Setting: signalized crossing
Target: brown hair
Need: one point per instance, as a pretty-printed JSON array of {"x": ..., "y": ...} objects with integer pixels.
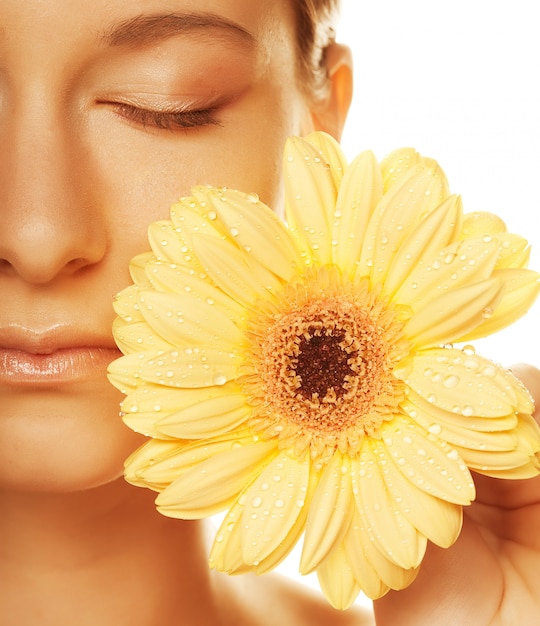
[{"x": 316, "y": 30}]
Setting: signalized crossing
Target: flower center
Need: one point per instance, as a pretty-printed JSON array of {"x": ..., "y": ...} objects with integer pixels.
[
  {"x": 322, "y": 365},
  {"x": 321, "y": 368}
]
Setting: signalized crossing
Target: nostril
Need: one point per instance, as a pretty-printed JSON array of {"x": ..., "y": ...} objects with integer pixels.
[{"x": 74, "y": 265}]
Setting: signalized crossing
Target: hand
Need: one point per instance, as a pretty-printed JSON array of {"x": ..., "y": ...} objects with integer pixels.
[{"x": 490, "y": 576}]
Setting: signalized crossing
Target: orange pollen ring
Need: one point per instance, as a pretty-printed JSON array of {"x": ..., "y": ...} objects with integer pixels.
[{"x": 324, "y": 366}]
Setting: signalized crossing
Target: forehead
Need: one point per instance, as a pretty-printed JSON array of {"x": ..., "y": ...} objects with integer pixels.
[
  {"x": 263, "y": 23},
  {"x": 256, "y": 17}
]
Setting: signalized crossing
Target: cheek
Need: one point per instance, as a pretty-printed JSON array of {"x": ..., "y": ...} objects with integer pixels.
[{"x": 139, "y": 173}]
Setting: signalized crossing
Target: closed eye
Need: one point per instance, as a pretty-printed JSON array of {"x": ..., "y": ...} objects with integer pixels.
[{"x": 167, "y": 119}]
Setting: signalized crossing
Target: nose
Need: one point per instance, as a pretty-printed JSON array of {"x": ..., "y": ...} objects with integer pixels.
[{"x": 49, "y": 224}]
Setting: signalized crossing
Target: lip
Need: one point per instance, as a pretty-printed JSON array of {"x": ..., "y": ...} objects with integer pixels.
[{"x": 58, "y": 355}]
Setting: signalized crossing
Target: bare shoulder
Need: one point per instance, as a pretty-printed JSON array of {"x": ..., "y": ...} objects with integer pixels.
[{"x": 281, "y": 600}]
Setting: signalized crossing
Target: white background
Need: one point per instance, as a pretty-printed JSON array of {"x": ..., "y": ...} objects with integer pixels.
[{"x": 459, "y": 81}]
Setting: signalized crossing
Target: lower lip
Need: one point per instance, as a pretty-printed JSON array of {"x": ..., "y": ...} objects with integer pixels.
[{"x": 18, "y": 367}]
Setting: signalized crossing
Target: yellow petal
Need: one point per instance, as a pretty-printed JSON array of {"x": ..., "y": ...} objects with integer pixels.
[
  {"x": 184, "y": 321},
  {"x": 137, "y": 267},
  {"x": 454, "y": 313},
  {"x": 434, "y": 233},
  {"x": 399, "y": 164},
  {"x": 521, "y": 288},
  {"x": 126, "y": 305},
  {"x": 139, "y": 336},
  {"x": 137, "y": 463},
  {"x": 337, "y": 580},
  {"x": 207, "y": 418},
  {"x": 170, "y": 277},
  {"x": 435, "y": 419},
  {"x": 310, "y": 199},
  {"x": 330, "y": 512},
  {"x": 276, "y": 499},
  {"x": 256, "y": 229},
  {"x": 522, "y": 457},
  {"x": 528, "y": 470},
  {"x": 397, "y": 214},
  {"x": 125, "y": 373},
  {"x": 192, "y": 215},
  {"x": 362, "y": 567},
  {"x": 462, "y": 383},
  {"x": 436, "y": 519},
  {"x": 209, "y": 487},
  {"x": 226, "y": 553},
  {"x": 375, "y": 572},
  {"x": 227, "y": 267},
  {"x": 168, "y": 246},
  {"x": 358, "y": 195},
  {"x": 332, "y": 153},
  {"x": 393, "y": 535},
  {"x": 482, "y": 223},
  {"x": 514, "y": 251},
  {"x": 429, "y": 463},
  {"x": 458, "y": 265},
  {"x": 171, "y": 463},
  {"x": 193, "y": 367}
]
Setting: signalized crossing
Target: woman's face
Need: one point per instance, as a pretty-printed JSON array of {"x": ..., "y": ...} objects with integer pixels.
[{"x": 109, "y": 111}]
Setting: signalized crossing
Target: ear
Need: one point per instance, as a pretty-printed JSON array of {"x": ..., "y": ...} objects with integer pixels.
[{"x": 329, "y": 114}]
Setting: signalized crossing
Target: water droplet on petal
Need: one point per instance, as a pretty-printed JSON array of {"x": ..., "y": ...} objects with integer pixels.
[{"x": 450, "y": 382}]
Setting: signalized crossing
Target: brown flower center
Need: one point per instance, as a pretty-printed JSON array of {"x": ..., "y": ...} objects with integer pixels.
[{"x": 322, "y": 365}]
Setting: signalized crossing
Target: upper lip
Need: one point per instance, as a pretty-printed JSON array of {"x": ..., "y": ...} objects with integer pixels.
[{"x": 51, "y": 338}]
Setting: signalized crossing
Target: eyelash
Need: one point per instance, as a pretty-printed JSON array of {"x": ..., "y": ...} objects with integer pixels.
[{"x": 168, "y": 120}]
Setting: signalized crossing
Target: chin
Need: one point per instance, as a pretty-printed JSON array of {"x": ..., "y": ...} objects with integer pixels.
[{"x": 63, "y": 440}]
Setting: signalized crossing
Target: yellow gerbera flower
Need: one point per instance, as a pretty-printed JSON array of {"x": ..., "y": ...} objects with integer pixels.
[{"x": 302, "y": 375}]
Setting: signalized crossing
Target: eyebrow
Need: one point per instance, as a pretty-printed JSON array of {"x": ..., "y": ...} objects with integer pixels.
[{"x": 144, "y": 30}]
